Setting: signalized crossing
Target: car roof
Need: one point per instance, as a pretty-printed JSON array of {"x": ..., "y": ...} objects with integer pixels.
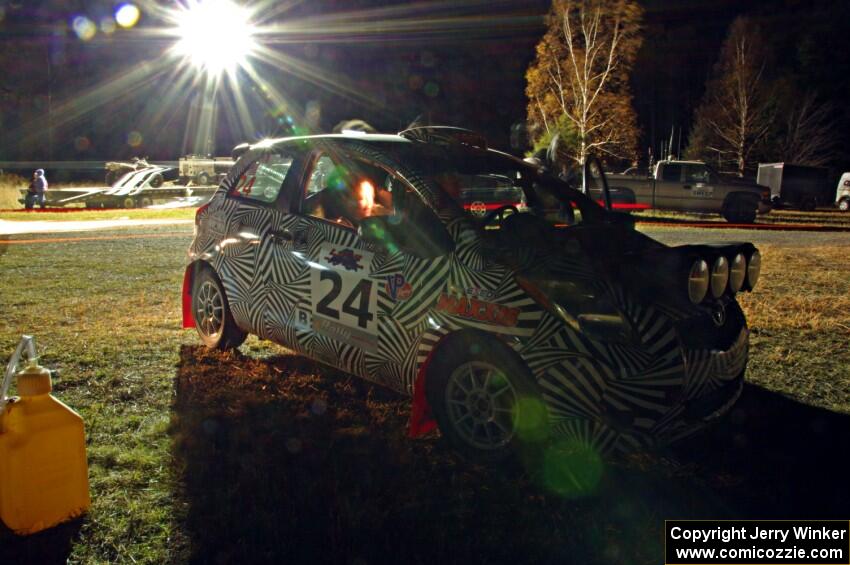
[
  {"x": 367, "y": 137},
  {"x": 376, "y": 138}
]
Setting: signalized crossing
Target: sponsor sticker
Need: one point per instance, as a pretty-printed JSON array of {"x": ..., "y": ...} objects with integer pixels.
[
  {"x": 398, "y": 288},
  {"x": 478, "y": 310},
  {"x": 483, "y": 293},
  {"x": 478, "y": 208},
  {"x": 346, "y": 257}
]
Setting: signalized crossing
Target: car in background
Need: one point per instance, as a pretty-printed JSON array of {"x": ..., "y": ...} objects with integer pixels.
[
  {"x": 551, "y": 319},
  {"x": 117, "y": 169},
  {"x": 137, "y": 189}
]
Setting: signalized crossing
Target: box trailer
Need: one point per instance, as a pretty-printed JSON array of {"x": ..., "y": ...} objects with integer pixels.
[{"x": 795, "y": 186}]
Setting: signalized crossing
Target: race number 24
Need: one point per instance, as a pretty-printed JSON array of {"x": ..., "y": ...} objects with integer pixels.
[{"x": 356, "y": 303}]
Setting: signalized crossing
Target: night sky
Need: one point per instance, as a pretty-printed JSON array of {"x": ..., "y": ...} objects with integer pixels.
[{"x": 457, "y": 63}]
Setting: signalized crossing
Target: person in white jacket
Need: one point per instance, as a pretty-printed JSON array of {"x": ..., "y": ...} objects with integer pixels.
[{"x": 36, "y": 190}]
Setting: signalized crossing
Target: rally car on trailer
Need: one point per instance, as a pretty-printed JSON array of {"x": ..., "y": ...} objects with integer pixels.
[{"x": 359, "y": 251}]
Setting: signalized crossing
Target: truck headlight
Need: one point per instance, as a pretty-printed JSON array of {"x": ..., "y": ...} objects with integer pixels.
[
  {"x": 698, "y": 281},
  {"x": 737, "y": 272},
  {"x": 753, "y": 269},
  {"x": 719, "y": 276}
]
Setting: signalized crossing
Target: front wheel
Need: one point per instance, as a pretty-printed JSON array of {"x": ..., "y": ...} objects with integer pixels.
[
  {"x": 211, "y": 312},
  {"x": 844, "y": 204},
  {"x": 484, "y": 399}
]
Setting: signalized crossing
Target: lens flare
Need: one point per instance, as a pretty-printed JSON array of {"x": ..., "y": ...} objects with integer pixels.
[
  {"x": 215, "y": 35},
  {"x": 127, "y": 15},
  {"x": 84, "y": 28}
]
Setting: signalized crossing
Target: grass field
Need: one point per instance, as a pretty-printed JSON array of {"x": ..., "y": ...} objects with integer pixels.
[
  {"x": 824, "y": 216},
  {"x": 73, "y": 215},
  {"x": 265, "y": 456},
  {"x": 10, "y": 185}
]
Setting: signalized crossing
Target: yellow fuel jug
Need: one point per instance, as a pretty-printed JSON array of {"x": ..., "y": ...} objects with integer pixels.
[{"x": 43, "y": 469}]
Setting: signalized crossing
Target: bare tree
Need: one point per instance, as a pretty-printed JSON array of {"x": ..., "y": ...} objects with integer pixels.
[
  {"x": 578, "y": 84},
  {"x": 808, "y": 136},
  {"x": 737, "y": 112}
]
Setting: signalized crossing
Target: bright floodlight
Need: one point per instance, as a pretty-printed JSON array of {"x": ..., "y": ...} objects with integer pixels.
[{"x": 215, "y": 35}]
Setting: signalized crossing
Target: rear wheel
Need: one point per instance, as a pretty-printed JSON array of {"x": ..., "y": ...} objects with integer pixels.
[
  {"x": 484, "y": 398},
  {"x": 844, "y": 204},
  {"x": 129, "y": 202},
  {"x": 211, "y": 312},
  {"x": 202, "y": 178},
  {"x": 157, "y": 180},
  {"x": 145, "y": 201}
]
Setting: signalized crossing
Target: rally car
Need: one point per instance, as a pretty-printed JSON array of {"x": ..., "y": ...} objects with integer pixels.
[{"x": 550, "y": 318}]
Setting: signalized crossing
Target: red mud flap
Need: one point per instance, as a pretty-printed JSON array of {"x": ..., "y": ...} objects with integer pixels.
[
  {"x": 188, "y": 318},
  {"x": 421, "y": 418}
]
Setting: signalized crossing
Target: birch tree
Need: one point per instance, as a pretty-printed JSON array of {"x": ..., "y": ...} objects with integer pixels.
[
  {"x": 578, "y": 84},
  {"x": 807, "y": 135},
  {"x": 737, "y": 111}
]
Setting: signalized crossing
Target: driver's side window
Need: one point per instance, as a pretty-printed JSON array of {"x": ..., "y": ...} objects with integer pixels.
[{"x": 346, "y": 193}]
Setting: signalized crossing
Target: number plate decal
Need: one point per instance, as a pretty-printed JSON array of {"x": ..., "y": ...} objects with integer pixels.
[{"x": 344, "y": 301}]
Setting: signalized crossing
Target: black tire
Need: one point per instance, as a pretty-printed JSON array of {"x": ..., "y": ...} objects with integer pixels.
[
  {"x": 211, "y": 313},
  {"x": 145, "y": 201},
  {"x": 202, "y": 178},
  {"x": 484, "y": 398},
  {"x": 740, "y": 211},
  {"x": 128, "y": 202},
  {"x": 844, "y": 204},
  {"x": 111, "y": 178},
  {"x": 157, "y": 180}
]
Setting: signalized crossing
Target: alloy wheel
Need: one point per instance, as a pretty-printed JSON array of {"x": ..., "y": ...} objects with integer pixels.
[
  {"x": 482, "y": 405},
  {"x": 209, "y": 309}
]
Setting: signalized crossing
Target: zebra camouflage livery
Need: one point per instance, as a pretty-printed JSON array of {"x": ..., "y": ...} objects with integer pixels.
[{"x": 382, "y": 313}]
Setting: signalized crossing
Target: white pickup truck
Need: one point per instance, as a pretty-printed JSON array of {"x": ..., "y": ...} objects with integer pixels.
[{"x": 692, "y": 186}]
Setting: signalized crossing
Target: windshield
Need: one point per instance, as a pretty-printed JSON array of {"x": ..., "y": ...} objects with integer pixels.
[{"x": 489, "y": 186}]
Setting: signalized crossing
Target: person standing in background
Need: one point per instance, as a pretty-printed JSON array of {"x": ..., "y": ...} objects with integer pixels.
[{"x": 36, "y": 190}]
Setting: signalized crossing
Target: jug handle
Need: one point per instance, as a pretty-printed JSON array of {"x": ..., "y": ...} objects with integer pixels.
[{"x": 27, "y": 344}]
